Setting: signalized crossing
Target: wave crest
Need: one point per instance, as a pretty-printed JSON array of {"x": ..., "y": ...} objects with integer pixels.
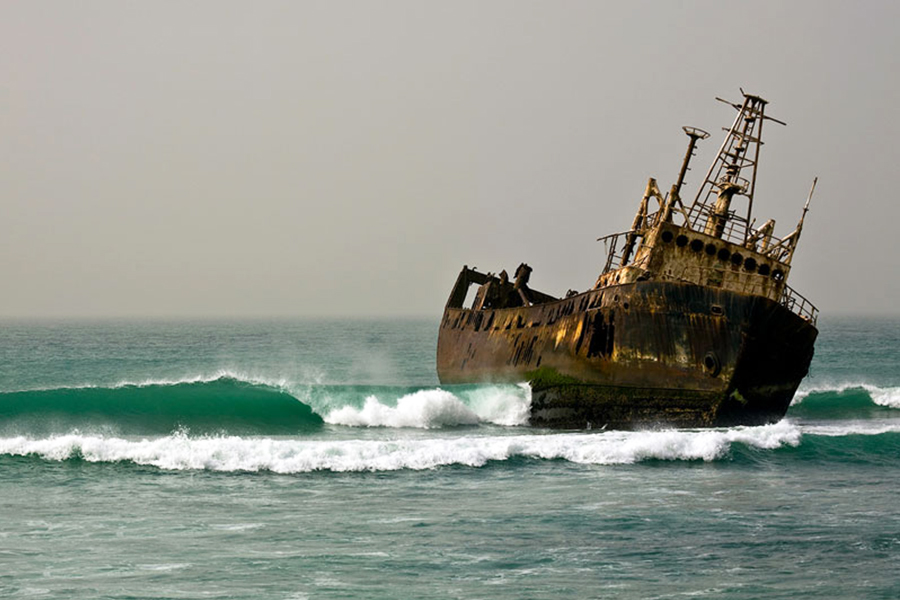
[
  {"x": 203, "y": 405},
  {"x": 845, "y": 401},
  {"x": 883, "y": 396},
  {"x": 230, "y": 453},
  {"x": 429, "y": 409},
  {"x": 229, "y": 402},
  {"x": 424, "y": 409}
]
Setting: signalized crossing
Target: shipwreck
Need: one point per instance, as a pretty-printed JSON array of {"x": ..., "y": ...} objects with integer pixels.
[{"x": 691, "y": 322}]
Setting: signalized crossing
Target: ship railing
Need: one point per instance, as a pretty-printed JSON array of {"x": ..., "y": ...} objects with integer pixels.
[
  {"x": 736, "y": 231},
  {"x": 652, "y": 220},
  {"x": 616, "y": 244},
  {"x": 797, "y": 303},
  {"x": 615, "y": 249},
  {"x": 749, "y": 283}
]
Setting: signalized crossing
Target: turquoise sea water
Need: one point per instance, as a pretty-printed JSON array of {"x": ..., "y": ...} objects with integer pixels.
[{"x": 321, "y": 459}]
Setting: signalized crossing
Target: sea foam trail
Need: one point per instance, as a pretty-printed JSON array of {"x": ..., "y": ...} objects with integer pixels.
[
  {"x": 181, "y": 452},
  {"x": 429, "y": 409}
]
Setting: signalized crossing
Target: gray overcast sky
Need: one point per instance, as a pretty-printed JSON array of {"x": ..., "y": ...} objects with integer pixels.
[{"x": 344, "y": 158}]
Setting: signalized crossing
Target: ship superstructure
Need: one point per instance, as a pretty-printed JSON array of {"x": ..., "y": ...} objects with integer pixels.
[
  {"x": 690, "y": 322},
  {"x": 715, "y": 241}
]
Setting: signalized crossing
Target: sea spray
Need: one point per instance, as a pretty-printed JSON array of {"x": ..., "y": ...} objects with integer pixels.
[
  {"x": 429, "y": 409},
  {"x": 182, "y": 451},
  {"x": 501, "y": 405},
  {"x": 423, "y": 409}
]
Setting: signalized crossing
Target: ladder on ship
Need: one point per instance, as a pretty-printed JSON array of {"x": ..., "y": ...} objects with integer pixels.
[{"x": 732, "y": 173}]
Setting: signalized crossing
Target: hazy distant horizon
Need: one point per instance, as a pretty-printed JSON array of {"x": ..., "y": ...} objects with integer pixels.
[{"x": 299, "y": 160}]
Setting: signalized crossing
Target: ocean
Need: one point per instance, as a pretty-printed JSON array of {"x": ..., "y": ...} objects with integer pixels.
[{"x": 322, "y": 459}]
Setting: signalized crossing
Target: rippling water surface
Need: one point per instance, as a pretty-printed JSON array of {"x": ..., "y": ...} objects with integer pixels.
[{"x": 322, "y": 459}]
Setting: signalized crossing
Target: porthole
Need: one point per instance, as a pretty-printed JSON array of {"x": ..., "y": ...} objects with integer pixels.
[
  {"x": 668, "y": 236},
  {"x": 696, "y": 245},
  {"x": 681, "y": 241},
  {"x": 764, "y": 269},
  {"x": 777, "y": 274},
  {"x": 724, "y": 254},
  {"x": 710, "y": 249},
  {"x": 736, "y": 259},
  {"x": 750, "y": 264},
  {"x": 711, "y": 364}
]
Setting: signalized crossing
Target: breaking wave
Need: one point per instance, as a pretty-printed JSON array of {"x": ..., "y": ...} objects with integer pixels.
[
  {"x": 428, "y": 409},
  {"x": 179, "y": 451},
  {"x": 232, "y": 453},
  {"x": 200, "y": 404},
  {"x": 231, "y": 403},
  {"x": 846, "y": 400}
]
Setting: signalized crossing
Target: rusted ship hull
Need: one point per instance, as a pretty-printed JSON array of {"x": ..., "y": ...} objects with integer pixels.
[
  {"x": 642, "y": 354},
  {"x": 691, "y": 322}
]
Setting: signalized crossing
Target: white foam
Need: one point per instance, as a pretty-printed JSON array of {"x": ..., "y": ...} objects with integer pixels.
[
  {"x": 844, "y": 428},
  {"x": 164, "y": 567},
  {"x": 423, "y": 409},
  {"x": 508, "y": 405},
  {"x": 889, "y": 397},
  {"x": 883, "y": 396},
  {"x": 825, "y": 388},
  {"x": 181, "y": 452},
  {"x": 429, "y": 409}
]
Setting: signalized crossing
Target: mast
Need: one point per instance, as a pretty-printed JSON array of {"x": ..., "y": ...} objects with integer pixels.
[
  {"x": 795, "y": 236},
  {"x": 732, "y": 174},
  {"x": 675, "y": 194}
]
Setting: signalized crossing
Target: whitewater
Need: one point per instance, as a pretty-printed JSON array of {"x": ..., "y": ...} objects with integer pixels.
[{"x": 308, "y": 459}]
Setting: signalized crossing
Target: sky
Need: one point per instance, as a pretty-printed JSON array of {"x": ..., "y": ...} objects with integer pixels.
[{"x": 277, "y": 159}]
